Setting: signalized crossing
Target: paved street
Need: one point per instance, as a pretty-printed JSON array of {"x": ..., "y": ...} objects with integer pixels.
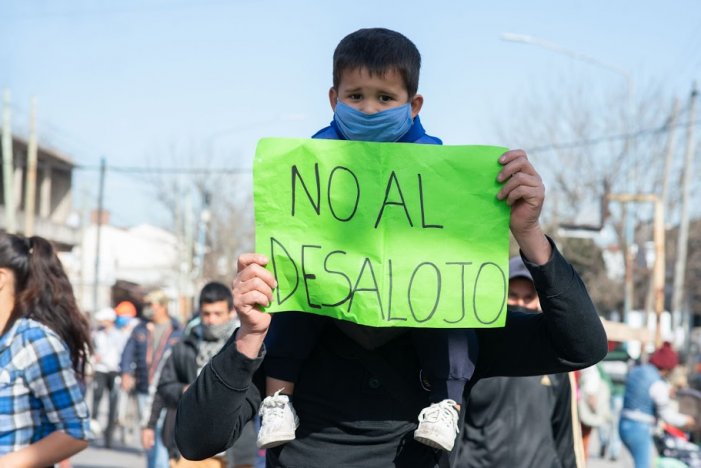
[
  {"x": 130, "y": 457},
  {"x": 625, "y": 461},
  {"x": 120, "y": 457}
]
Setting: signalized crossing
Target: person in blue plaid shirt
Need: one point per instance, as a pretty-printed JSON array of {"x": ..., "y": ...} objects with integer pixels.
[{"x": 44, "y": 343}]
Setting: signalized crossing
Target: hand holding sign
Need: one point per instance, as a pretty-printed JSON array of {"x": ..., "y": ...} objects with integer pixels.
[
  {"x": 252, "y": 288},
  {"x": 524, "y": 192}
]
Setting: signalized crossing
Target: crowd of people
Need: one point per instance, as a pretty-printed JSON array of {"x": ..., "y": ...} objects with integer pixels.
[
  {"x": 150, "y": 361},
  {"x": 315, "y": 391}
]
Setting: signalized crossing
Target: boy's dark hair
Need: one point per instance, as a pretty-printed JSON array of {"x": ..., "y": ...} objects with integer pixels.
[
  {"x": 378, "y": 50},
  {"x": 215, "y": 292}
]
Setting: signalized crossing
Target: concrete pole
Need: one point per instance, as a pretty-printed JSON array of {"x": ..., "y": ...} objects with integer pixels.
[
  {"x": 669, "y": 156},
  {"x": 669, "y": 152},
  {"x": 659, "y": 239},
  {"x": 8, "y": 166},
  {"x": 31, "y": 188},
  {"x": 98, "y": 228},
  {"x": 682, "y": 247},
  {"x": 658, "y": 276}
]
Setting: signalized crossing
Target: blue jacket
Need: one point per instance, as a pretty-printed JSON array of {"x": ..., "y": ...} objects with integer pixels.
[
  {"x": 416, "y": 134},
  {"x": 637, "y": 395},
  {"x": 135, "y": 359}
]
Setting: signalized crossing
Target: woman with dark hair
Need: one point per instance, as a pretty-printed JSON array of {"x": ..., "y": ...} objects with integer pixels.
[{"x": 44, "y": 344}]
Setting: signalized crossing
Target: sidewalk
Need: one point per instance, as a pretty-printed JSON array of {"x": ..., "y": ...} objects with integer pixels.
[{"x": 121, "y": 457}]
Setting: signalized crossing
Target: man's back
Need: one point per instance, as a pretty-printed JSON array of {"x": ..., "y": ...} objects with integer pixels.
[{"x": 518, "y": 421}]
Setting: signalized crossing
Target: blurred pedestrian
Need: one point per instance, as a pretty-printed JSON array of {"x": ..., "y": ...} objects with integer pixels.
[
  {"x": 217, "y": 321},
  {"x": 126, "y": 319},
  {"x": 44, "y": 347},
  {"x": 593, "y": 403},
  {"x": 615, "y": 366},
  {"x": 648, "y": 397},
  {"x": 501, "y": 410},
  {"x": 149, "y": 342},
  {"x": 109, "y": 343}
]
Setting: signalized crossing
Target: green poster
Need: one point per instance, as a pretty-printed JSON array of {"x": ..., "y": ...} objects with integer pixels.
[{"x": 384, "y": 234}]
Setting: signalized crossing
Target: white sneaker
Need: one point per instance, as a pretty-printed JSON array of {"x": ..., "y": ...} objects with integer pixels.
[
  {"x": 438, "y": 425},
  {"x": 278, "y": 421}
]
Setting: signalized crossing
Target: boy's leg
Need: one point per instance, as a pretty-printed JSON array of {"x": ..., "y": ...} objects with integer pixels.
[
  {"x": 448, "y": 358},
  {"x": 290, "y": 340}
]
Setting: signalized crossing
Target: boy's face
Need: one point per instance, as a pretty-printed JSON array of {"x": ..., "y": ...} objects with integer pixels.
[{"x": 373, "y": 93}]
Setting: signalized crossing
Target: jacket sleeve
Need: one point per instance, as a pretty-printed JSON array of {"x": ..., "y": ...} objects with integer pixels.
[
  {"x": 157, "y": 406},
  {"x": 169, "y": 386},
  {"x": 126, "y": 364},
  {"x": 216, "y": 407},
  {"x": 567, "y": 336},
  {"x": 562, "y": 421}
]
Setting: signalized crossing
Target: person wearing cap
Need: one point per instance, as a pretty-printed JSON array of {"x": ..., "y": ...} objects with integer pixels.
[
  {"x": 109, "y": 343},
  {"x": 126, "y": 317},
  {"x": 648, "y": 397},
  {"x": 502, "y": 409},
  {"x": 150, "y": 341}
]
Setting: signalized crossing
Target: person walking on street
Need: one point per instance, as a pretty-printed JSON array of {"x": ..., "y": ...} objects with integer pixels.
[
  {"x": 44, "y": 347},
  {"x": 502, "y": 410},
  {"x": 109, "y": 343},
  {"x": 216, "y": 323},
  {"x": 149, "y": 342},
  {"x": 648, "y": 396}
]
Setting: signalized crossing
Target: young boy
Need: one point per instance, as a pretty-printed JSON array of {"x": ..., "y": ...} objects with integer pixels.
[{"x": 374, "y": 98}]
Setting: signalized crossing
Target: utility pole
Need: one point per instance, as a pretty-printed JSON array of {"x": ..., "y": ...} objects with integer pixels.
[
  {"x": 680, "y": 263},
  {"x": 659, "y": 240},
  {"x": 8, "y": 166},
  {"x": 98, "y": 228},
  {"x": 31, "y": 189},
  {"x": 669, "y": 156}
]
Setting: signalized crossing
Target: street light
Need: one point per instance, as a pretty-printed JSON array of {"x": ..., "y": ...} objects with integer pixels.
[{"x": 528, "y": 39}]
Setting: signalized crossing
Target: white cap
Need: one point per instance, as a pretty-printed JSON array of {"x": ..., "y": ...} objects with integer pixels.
[{"x": 107, "y": 313}]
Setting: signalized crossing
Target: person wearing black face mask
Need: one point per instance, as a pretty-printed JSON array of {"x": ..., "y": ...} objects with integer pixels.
[
  {"x": 207, "y": 334},
  {"x": 502, "y": 410}
]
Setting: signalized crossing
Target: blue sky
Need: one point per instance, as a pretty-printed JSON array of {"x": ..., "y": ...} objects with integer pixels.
[{"x": 128, "y": 80}]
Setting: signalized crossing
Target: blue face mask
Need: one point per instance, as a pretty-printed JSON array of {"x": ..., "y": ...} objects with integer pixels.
[
  {"x": 121, "y": 321},
  {"x": 387, "y": 125}
]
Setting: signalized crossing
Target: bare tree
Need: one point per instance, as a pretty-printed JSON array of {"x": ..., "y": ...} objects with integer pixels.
[
  {"x": 586, "y": 145},
  {"x": 210, "y": 211}
]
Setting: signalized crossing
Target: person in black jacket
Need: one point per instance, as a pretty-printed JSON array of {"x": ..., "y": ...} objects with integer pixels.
[
  {"x": 520, "y": 421},
  {"x": 214, "y": 325},
  {"x": 357, "y": 404}
]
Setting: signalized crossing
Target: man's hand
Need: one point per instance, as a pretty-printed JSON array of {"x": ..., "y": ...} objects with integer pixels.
[
  {"x": 252, "y": 288},
  {"x": 524, "y": 191},
  {"x": 128, "y": 382},
  {"x": 690, "y": 423},
  {"x": 148, "y": 438}
]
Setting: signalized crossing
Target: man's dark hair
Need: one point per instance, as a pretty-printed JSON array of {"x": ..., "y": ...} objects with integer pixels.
[
  {"x": 378, "y": 50},
  {"x": 215, "y": 292}
]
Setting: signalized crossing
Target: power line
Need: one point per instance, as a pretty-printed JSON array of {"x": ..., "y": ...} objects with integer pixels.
[
  {"x": 168, "y": 170},
  {"x": 609, "y": 138},
  {"x": 248, "y": 170}
]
